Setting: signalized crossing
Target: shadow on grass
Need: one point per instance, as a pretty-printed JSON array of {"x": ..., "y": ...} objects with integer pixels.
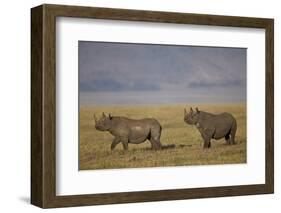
[{"x": 164, "y": 147}]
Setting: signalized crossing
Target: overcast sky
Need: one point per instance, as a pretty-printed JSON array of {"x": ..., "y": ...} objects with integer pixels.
[{"x": 202, "y": 74}]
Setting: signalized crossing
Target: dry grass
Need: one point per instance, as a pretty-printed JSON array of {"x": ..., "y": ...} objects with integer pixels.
[{"x": 95, "y": 146}]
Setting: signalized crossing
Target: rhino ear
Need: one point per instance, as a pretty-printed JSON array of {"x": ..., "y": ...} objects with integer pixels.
[
  {"x": 110, "y": 116},
  {"x": 197, "y": 110}
]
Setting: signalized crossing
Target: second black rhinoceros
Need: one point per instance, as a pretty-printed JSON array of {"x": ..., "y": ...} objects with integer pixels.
[
  {"x": 127, "y": 130},
  {"x": 212, "y": 126}
]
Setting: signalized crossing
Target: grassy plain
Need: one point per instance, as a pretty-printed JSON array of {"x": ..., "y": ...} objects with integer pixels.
[{"x": 94, "y": 146}]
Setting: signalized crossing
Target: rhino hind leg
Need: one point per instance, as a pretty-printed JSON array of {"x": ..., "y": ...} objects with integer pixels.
[
  {"x": 154, "y": 138},
  {"x": 233, "y": 132},
  {"x": 155, "y": 144},
  {"x": 227, "y": 139},
  {"x": 232, "y": 138}
]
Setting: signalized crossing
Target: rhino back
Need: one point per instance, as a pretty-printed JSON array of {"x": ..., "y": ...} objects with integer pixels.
[
  {"x": 221, "y": 123},
  {"x": 132, "y": 128}
]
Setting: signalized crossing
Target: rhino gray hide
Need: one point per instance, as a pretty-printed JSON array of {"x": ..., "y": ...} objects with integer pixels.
[
  {"x": 127, "y": 130},
  {"x": 212, "y": 126}
]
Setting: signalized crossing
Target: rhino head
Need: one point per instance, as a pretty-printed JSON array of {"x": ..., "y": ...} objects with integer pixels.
[
  {"x": 192, "y": 116},
  {"x": 104, "y": 123}
]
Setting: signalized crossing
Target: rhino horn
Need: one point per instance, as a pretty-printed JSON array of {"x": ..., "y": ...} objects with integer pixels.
[
  {"x": 185, "y": 111},
  {"x": 197, "y": 110},
  {"x": 95, "y": 118},
  {"x": 110, "y": 116},
  {"x": 191, "y": 110},
  {"x": 103, "y": 115}
]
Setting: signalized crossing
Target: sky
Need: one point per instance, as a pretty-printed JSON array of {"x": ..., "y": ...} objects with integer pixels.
[{"x": 124, "y": 73}]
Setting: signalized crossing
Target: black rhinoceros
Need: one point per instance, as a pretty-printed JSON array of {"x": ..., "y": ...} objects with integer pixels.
[
  {"x": 212, "y": 126},
  {"x": 127, "y": 130}
]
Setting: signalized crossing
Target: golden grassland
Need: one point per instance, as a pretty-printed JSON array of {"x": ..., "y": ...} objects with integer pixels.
[{"x": 94, "y": 147}]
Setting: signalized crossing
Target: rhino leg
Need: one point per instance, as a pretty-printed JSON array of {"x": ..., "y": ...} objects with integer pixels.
[
  {"x": 125, "y": 143},
  {"x": 155, "y": 134},
  {"x": 207, "y": 143},
  {"x": 233, "y": 132},
  {"x": 115, "y": 142},
  {"x": 155, "y": 143},
  {"x": 207, "y": 135},
  {"x": 232, "y": 138},
  {"x": 227, "y": 139}
]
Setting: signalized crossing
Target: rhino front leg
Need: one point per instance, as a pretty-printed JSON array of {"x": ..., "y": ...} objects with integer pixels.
[
  {"x": 125, "y": 143},
  {"x": 207, "y": 143},
  {"x": 115, "y": 142},
  {"x": 207, "y": 135}
]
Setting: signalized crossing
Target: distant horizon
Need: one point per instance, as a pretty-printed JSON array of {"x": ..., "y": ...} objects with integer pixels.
[
  {"x": 92, "y": 99},
  {"x": 151, "y": 74}
]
